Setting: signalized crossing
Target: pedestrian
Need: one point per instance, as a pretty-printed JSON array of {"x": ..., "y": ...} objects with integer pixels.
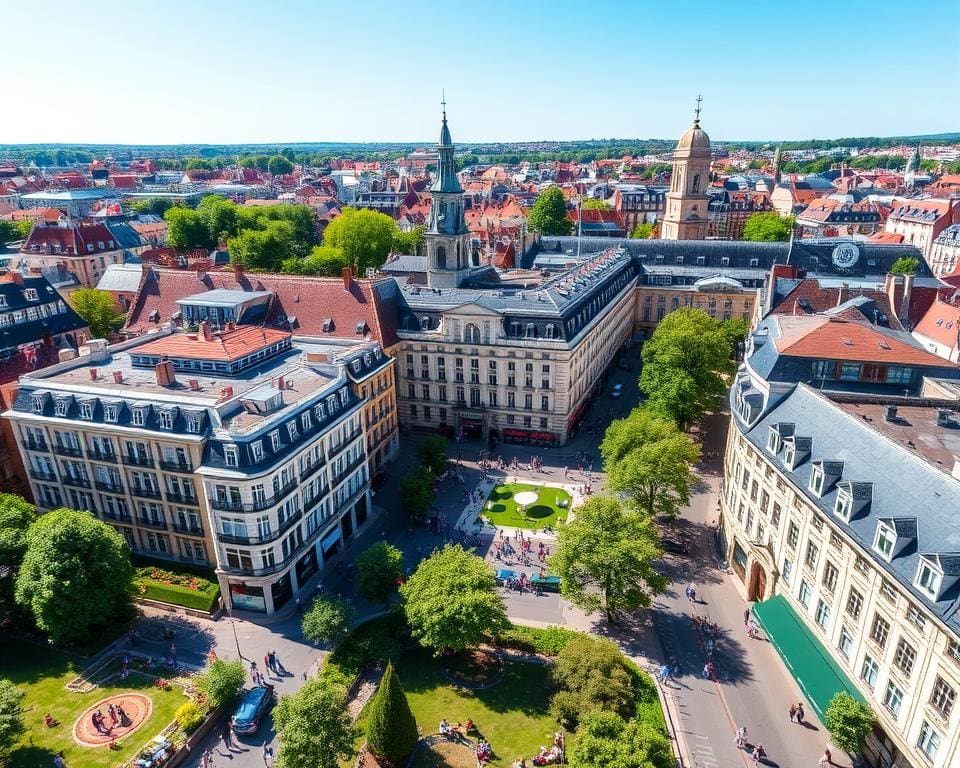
[
  {"x": 741, "y": 738},
  {"x": 826, "y": 759},
  {"x": 758, "y": 753},
  {"x": 173, "y": 652},
  {"x": 664, "y": 674},
  {"x": 225, "y": 733},
  {"x": 299, "y": 605},
  {"x": 267, "y": 755},
  {"x": 58, "y": 761},
  {"x": 800, "y": 712},
  {"x": 792, "y": 712},
  {"x": 746, "y": 617},
  {"x": 276, "y": 663}
]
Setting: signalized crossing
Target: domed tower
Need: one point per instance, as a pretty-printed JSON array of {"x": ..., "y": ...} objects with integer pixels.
[
  {"x": 446, "y": 238},
  {"x": 687, "y": 201}
]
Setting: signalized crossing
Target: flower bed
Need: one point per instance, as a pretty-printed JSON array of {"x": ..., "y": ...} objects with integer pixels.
[{"x": 184, "y": 589}]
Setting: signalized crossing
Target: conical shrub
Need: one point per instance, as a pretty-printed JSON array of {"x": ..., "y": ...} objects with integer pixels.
[{"x": 391, "y": 726}]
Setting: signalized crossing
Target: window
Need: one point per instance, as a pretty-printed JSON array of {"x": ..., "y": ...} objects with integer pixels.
[
  {"x": 805, "y": 593},
  {"x": 880, "y": 630},
  {"x": 793, "y": 535},
  {"x": 830, "y": 575},
  {"x": 888, "y": 593},
  {"x": 773, "y": 441},
  {"x": 822, "y": 615},
  {"x": 854, "y": 603},
  {"x": 953, "y": 651},
  {"x": 810, "y": 558},
  {"x": 869, "y": 671},
  {"x": 166, "y": 419},
  {"x": 138, "y": 416},
  {"x": 775, "y": 516},
  {"x": 905, "y": 656},
  {"x": 292, "y": 431},
  {"x": 86, "y": 411},
  {"x": 929, "y": 740},
  {"x": 231, "y": 456},
  {"x": 256, "y": 448},
  {"x": 844, "y": 504},
  {"x": 943, "y": 697},
  {"x": 915, "y": 617},
  {"x": 893, "y": 698},
  {"x": 885, "y": 540},
  {"x": 928, "y": 579},
  {"x": 897, "y": 374},
  {"x": 305, "y": 420},
  {"x": 845, "y": 646},
  {"x": 61, "y": 406},
  {"x": 816, "y": 480},
  {"x": 850, "y": 372},
  {"x": 275, "y": 440}
]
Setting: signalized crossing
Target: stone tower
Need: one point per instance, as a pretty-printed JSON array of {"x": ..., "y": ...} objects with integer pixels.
[
  {"x": 912, "y": 170},
  {"x": 777, "y": 162},
  {"x": 447, "y": 239},
  {"x": 687, "y": 201}
]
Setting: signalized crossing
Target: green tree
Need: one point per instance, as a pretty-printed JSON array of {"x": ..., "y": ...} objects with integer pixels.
[
  {"x": 323, "y": 261},
  {"x": 768, "y": 227},
  {"x": 591, "y": 674},
  {"x": 605, "y": 558},
  {"x": 548, "y": 216},
  {"x": 11, "y": 718},
  {"x": 416, "y": 492},
  {"x": 314, "y": 727},
  {"x": 186, "y": 229},
  {"x": 23, "y": 229},
  {"x": 391, "y": 727},
  {"x": 593, "y": 203},
  {"x": 684, "y": 363},
  {"x": 848, "y": 721},
  {"x": 279, "y": 165},
  {"x": 648, "y": 458},
  {"x": 219, "y": 216},
  {"x": 735, "y": 329},
  {"x": 221, "y": 682},
  {"x": 263, "y": 250},
  {"x": 327, "y": 620},
  {"x": 16, "y": 516},
  {"x": 98, "y": 310},
  {"x": 75, "y": 575},
  {"x": 905, "y": 265},
  {"x": 643, "y": 231},
  {"x": 364, "y": 236},
  {"x": 9, "y": 231},
  {"x": 605, "y": 739},
  {"x": 408, "y": 242},
  {"x": 433, "y": 454},
  {"x": 379, "y": 570},
  {"x": 451, "y": 601}
]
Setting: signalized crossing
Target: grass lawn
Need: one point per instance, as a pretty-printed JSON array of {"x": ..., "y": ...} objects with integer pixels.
[
  {"x": 42, "y": 674},
  {"x": 511, "y": 715},
  {"x": 504, "y": 511}
]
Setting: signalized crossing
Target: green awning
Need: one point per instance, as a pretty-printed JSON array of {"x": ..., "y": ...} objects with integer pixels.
[{"x": 811, "y": 665}]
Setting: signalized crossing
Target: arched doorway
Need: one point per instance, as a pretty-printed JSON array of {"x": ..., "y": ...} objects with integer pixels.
[{"x": 757, "y": 588}]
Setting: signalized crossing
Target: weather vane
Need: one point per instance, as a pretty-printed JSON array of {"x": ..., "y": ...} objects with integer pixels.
[{"x": 699, "y": 99}]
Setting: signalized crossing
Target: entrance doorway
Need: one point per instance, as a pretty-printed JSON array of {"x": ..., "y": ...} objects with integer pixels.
[{"x": 757, "y": 588}]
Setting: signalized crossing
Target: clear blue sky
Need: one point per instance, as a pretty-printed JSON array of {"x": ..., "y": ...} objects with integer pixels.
[{"x": 219, "y": 71}]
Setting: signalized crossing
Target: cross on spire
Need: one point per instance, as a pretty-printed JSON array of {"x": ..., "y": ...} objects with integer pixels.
[
  {"x": 443, "y": 102},
  {"x": 697, "y": 110}
]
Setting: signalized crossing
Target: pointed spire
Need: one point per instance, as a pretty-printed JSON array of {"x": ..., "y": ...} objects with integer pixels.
[
  {"x": 696, "y": 112},
  {"x": 445, "y": 140},
  {"x": 447, "y": 180}
]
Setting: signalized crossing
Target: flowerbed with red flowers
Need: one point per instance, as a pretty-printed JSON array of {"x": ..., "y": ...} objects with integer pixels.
[{"x": 183, "y": 589}]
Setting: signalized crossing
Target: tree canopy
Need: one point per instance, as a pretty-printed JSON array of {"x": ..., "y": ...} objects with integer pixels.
[
  {"x": 595, "y": 203},
  {"x": 75, "y": 575},
  {"x": 451, "y": 600},
  {"x": 548, "y": 215},
  {"x": 379, "y": 569},
  {"x": 605, "y": 558},
  {"x": 591, "y": 674},
  {"x": 16, "y": 516},
  {"x": 323, "y": 261},
  {"x": 848, "y": 721},
  {"x": 11, "y": 718},
  {"x": 364, "y": 236},
  {"x": 643, "y": 231},
  {"x": 684, "y": 363},
  {"x": 327, "y": 620},
  {"x": 768, "y": 227},
  {"x": 279, "y": 165},
  {"x": 221, "y": 682},
  {"x": 905, "y": 265},
  {"x": 648, "y": 458},
  {"x": 391, "y": 727},
  {"x": 605, "y": 739},
  {"x": 433, "y": 454},
  {"x": 98, "y": 310},
  {"x": 408, "y": 242},
  {"x": 313, "y": 726},
  {"x": 416, "y": 492}
]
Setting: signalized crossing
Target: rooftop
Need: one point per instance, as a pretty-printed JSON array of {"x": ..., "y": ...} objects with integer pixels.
[{"x": 225, "y": 345}]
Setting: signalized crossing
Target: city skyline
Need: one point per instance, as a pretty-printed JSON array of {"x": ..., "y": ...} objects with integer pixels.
[{"x": 328, "y": 75}]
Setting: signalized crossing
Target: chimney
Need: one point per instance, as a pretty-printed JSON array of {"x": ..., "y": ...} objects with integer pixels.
[
  {"x": 194, "y": 385},
  {"x": 66, "y": 354},
  {"x": 93, "y": 374},
  {"x": 347, "y": 273},
  {"x": 890, "y": 413},
  {"x": 890, "y": 284},
  {"x": 905, "y": 305},
  {"x": 165, "y": 375},
  {"x": 98, "y": 350},
  {"x": 281, "y": 383},
  {"x": 118, "y": 377},
  {"x": 14, "y": 276},
  {"x": 843, "y": 293},
  {"x": 205, "y": 333},
  {"x": 231, "y": 326},
  {"x": 238, "y": 268}
]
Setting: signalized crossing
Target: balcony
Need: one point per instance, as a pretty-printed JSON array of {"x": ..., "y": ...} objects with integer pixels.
[
  {"x": 67, "y": 450},
  {"x": 189, "y": 528},
  {"x": 50, "y": 477},
  {"x": 311, "y": 470},
  {"x": 145, "y": 493},
  {"x": 257, "y": 505},
  {"x": 160, "y": 525},
  {"x": 109, "y": 487},
  {"x": 263, "y": 538},
  {"x": 176, "y": 466},
  {"x": 137, "y": 461},
  {"x": 117, "y": 518},
  {"x": 35, "y": 445},
  {"x": 96, "y": 455},
  {"x": 179, "y": 498},
  {"x": 342, "y": 475},
  {"x": 79, "y": 482}
]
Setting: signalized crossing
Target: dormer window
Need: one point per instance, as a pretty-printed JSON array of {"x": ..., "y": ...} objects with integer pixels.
[
  {"x": 844, "y": 504},
  {"x": 531, "y": 331},
  {"x": 231, "y": 456},
  {"x": 138, "y": 417},
  {"x": 256, "y": 449},
  {"x": 275, "y": 440},
  {"x": 319, "y": 411},
  {"x": 332, "y": 404},
  {"x": 60, "y": 408},
  {"x": 328, "y": 325},
  {"x": 816, "y": 480},
  {"x": 166, "y": 419},
  {"x": 86, "y": 411},
  {"x": 929, "y": 578},
  {"x": 774, "y": 443},
  {"x": 292, "y": 431},
  {"x": 356, "y": 365},
  {"x": 30, "y": 294},
  {"x": 305, "y": 420},
  {"x": 789, "y": 455},
  {"x": 424, "y": 323},
  {"x": 37, "y": 403},
  {"x": 885, "y": 541},
  {"x": 111, "y": 413}
]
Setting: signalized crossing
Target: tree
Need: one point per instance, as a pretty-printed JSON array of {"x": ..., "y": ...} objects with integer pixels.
[
  {"x": 278, "y": 165},
  {"x": 221, "y": 682},
  {"x": 263, "y": 250},
  {"x": 416, "y": 492},
  {"x": 648, "y": 458},
  {"x": 391, "y": 727},
  {"x": 314, "y": 727},
  {"x": 23, "y": 228},
  {"x": 451, "y": 601},
  {"x": 9, "y": 231},
  {"x": 905, "y": 265},
  {"x": 548, "y": 216},
  {"x": 605, "y": 739},
  {"x": 364, "y": 236},
  {"x": 186, "y": 229},
  {"x": 16, "y": 517},
  {"x": 11, "y": 717},
  {"x": 594, "y": 203},
  {"x": 408, "y": 242},
  {"x": 735, "y": 329},
  {"x": 848, "y": 721},
  {"x": 642, "y": 231},
  {"x": 591, "y": 674},
  {"x": 327, "y": 620},
  {"x": 433, "y": 454},
  {"x": 323, "y": 261},
  {"x": 768, "y": 227},
  {"x": 379, "y": 570},
  {"x": 219, "y": 216},
  {"x": 605, "y": 557},
  {"x": 75, "y": 575},
  {"x": 97, "y": 309},
  {"x": 684, "y": 363}
]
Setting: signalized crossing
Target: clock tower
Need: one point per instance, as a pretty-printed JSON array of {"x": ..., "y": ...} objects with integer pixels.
[
  {"x": 686, "y": 217},
  {"x": 449, "y": 256}
]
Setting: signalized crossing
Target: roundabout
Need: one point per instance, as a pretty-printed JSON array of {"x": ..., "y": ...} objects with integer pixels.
[{"x": 131, "y": 710}]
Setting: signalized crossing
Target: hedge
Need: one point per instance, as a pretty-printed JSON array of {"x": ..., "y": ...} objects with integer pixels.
[
  {"x": 204, "y": 598},
  {"x": 548, "y": 641}
]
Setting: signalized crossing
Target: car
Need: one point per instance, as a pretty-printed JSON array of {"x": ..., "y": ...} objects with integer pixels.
[
  {"x": 617, "y": 390},
  {"x": 254, "y": 704},
  {"x": 674, "y": 546},
  {"x": 546, "y": 583}
]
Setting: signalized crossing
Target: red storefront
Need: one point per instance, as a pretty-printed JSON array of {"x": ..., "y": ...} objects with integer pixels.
[{"x": 527, "y": 437}]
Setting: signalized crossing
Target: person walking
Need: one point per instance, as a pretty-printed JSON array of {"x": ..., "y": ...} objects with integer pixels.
[
  {"x": 826, "y": 758},
  {"x": 741, "y": 738},
  {"x": 792, "y": 712},
  {"x": 800, "y": 712},
  {"x": 227, "y": 737},
  {"x": 758, "y": 754}
]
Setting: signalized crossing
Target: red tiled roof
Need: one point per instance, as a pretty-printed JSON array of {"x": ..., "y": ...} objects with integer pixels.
[
  {"x": 941, "y": 323},
  {"x": 223, "y": 346},
  {"x": 885, "y": 237},
  {"x": 311, "y": 300},
  {"x": 73, "y": 239}
]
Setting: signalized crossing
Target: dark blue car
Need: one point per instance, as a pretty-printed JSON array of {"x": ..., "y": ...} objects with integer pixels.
[{"x": 254, "y": 703}]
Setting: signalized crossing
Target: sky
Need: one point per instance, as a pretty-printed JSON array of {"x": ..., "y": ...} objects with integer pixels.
[{"x": 254, "y": 71}]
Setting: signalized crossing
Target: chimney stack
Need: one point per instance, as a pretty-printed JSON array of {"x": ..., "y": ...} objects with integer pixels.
[
  {"x": 118, "y": 377},
  {"x": 165, "y": 375},
  {"x": 905, "y": 306},
  {"x": 347, "y": 274},
  {"x": 281, "y": 383},
  {"x": 205, "y": 333},
  {"x": 194, "y": 385},
  {"x": 93, "y": 374},
  {"x": 843, "y": 293},
  {"x": 238, "y": 269}
]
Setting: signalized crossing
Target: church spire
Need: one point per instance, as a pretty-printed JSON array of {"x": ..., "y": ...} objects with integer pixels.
[
  {"x": 777, "y": 161},
  {"x": 447, "y": 180}
]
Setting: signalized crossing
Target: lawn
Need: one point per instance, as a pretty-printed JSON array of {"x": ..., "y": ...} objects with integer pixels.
[
  {"x": 503, "y": 509},
  {"x": 42, "y": 673},
  {"x": 512, "y": 715}
]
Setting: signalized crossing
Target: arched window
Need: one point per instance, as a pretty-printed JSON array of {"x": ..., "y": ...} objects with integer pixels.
[
  {"x": 471, "y": 334},
  {"x": 441, "y": 257},
  {"x": 425, "y": 323},
  {"x": 695, "y": 187}
]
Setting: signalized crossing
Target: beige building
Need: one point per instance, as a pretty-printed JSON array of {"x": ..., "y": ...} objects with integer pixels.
[
  {"x": 723, "y": 298},
  {"x": 687, "y": 208}
]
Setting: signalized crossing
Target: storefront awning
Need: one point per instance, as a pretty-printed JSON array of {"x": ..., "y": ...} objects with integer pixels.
[{"x": 811, "y": 665}]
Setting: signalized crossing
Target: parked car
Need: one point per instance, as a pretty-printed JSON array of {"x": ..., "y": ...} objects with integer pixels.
[
  {"x": 254, "y": 704},
  {"x": 547, "y": 583},
  {"x": 674, "y": 546}
]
